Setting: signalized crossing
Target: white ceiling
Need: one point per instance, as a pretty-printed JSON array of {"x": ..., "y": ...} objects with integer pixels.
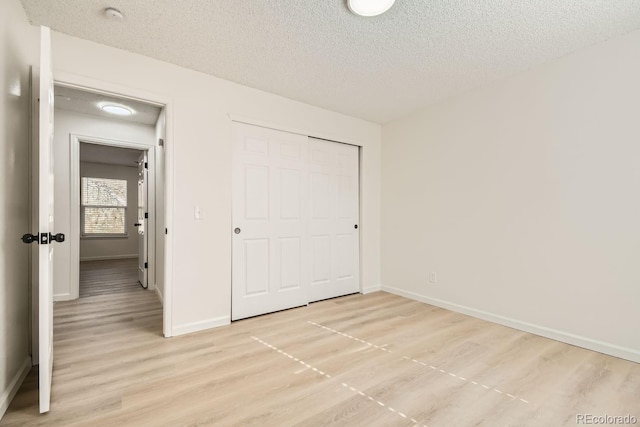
[
  {"x": 81, "y": 101},
  {"x": 379, "y": 69},
  {"x": 96, "y": 153}
]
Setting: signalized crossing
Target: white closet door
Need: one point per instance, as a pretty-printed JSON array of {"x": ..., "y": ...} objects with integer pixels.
[
  {"x": 269, "y": 227},
  {"x": 333, "y": 224}
]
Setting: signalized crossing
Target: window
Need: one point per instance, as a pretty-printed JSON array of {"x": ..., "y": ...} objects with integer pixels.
[{"x": 104, "y": 207}]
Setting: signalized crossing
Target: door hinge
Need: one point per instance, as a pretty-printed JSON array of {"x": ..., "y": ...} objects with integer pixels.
[
  {"x": 146, "y": 215},
  {"x": 166, "y": 231},
  {"x": 146, "y": 265},
  {"x": 146, "y": 165},
  {"x": 161, "y": 142}
]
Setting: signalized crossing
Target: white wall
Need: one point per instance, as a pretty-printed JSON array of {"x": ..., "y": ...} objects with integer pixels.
[
  {"x": 200, "y": 137},
  {"x": 18, "y": 44},
  {"x": 524, "y": 198},
  {"x": 113, "y": 247},
  {"x": 67, "y": 123}
]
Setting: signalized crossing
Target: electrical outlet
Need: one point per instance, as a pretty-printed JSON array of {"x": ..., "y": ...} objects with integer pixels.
[
  {"x": 197, "y": 213},
  {"x": 433, "y": 277}
]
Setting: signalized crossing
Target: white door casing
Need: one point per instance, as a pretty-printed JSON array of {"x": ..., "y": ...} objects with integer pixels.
[
  {"x": 333, "y": 220},
  {"x": 44, "y": 201},
  {"x": 141, "y": 220},
  {"x": 269, "y": 228}
]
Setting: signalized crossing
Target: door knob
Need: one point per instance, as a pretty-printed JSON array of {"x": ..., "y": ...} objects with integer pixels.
[
  {"x": 43, "y": 238},
  {"x": 137, "y": 224},
  {"x": 56, "y": 237},
  {"x": 237, "y": 230},
  {"x": 29, "y": 238}
]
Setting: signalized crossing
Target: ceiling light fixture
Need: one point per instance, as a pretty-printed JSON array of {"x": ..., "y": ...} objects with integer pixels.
[
  {"x": 117, "y": 109},
  {"x": 369, "y": 7}
]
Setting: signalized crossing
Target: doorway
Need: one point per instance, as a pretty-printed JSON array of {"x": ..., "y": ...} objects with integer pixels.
[
  {"x": 114, "y": 187},
  {"x": 114, "y": 217},
  {"x": 81, "y": 119}
]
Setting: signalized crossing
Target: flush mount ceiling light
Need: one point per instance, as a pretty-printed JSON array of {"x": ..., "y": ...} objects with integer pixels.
[
  {"x": 117, "y": 109},
  {"x": 369, "y": 7}
]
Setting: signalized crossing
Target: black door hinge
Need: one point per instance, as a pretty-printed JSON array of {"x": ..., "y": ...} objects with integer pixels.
[
  {"x": 146, "y": 265},
  {"x": 146, "y": 165},
  {"x": 146, "y": 215}
]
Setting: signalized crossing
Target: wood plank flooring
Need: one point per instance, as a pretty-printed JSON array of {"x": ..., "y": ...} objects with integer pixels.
[
  {"x": 108, "y": 277},
  {"x": 361, "y": 360}
]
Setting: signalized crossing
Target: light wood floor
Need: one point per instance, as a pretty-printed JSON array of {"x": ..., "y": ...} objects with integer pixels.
[{"x": 374, "y": 360}]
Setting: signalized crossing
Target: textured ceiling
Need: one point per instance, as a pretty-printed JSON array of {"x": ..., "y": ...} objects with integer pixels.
[
  {"x": 316, "y": 51},
  {"x": 85, "y": 102}
]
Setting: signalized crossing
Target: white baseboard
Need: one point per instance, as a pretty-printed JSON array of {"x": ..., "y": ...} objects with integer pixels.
[
  {"x": 201, "y": 325},
  {"x": 108, "y": 257},
  {"x": 63, "y": 297},
  {"x": 160, "y": 297},
  {"x": 370, "y": 289},
  {"x": 8, "y": 395},
  {"x": 566, "y": 337}
]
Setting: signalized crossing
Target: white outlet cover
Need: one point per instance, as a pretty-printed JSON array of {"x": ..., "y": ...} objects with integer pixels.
[{"x": 197, "y": 213}]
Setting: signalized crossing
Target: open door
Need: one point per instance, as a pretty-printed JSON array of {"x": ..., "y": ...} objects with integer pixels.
[
  {"x": 43, "y": 220},
  {"x": 142, "y": 222}
]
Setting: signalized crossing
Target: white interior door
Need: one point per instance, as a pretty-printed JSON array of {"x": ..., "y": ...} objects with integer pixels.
[
  {"x": 333, "y": 224},
  {"x": 269, "y": 269},
  {"x": 44, "y": 199},
  {"x": 142, "y": 220}
]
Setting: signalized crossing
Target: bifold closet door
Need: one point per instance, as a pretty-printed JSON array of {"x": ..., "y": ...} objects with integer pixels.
[
  {"x": 270, "y": 237},
  {"x": 333, "y": 222}
]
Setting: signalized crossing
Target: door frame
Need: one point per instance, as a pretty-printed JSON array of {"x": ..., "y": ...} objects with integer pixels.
[
  {"x": 62, "y": 78},
  {"x": 74, "y": 232}
]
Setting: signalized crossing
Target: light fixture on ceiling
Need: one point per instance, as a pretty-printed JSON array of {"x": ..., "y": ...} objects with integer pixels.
[
  {"x": 369, "y": 7},
  {"x": 117, "y": 109},
  {"x": 114, "y": 14}
]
